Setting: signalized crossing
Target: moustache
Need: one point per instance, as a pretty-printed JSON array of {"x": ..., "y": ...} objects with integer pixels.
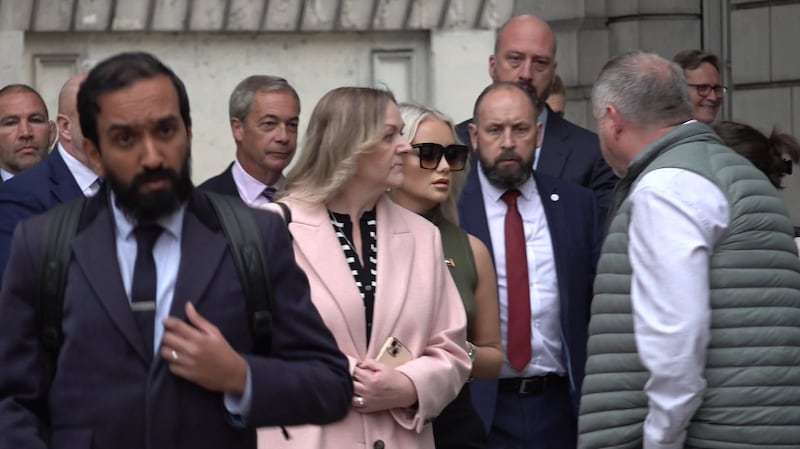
[{"x": 154, "y": 174}]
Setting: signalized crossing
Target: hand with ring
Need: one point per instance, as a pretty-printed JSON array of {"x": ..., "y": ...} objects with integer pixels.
[
  {"x": 174, "y": 355},
  {"x": 358, "y": 401}
]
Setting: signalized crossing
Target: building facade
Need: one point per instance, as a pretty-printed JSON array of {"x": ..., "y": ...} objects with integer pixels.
[{"x": 431, "y": 51}]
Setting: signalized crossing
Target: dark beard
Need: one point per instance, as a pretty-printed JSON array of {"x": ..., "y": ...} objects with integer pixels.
[
  {"x": 507, "y": 178},
  {"x": 152, "y": 206}
]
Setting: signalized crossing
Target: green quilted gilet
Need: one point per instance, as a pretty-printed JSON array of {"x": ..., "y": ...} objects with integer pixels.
[{"x": 752, "y": 370}]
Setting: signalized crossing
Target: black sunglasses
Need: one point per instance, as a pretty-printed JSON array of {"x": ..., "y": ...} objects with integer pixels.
[{"x": 430, "y": 154}]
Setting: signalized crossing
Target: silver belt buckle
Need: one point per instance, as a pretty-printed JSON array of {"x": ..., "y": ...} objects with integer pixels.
[{"x": 523, "y": 386}]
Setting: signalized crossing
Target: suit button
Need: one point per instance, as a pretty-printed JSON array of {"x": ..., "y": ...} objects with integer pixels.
[{"x": 378, "y": 445}]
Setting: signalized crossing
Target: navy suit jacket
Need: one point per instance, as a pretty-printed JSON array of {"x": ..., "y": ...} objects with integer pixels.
[
  {"x": 571, "y": 153},
  {"x": 222, "y": 183},
  {"x": 576, "y": 235},
  {"x": 105, "y": 393},
  {"x": 32, "y": 192}
]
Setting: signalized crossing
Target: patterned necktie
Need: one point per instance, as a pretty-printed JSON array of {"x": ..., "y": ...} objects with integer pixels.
[
  {"x": 518, "y": 288},
  {"x": 269, "y": 193},
  {"x": 143, "y": 287}
]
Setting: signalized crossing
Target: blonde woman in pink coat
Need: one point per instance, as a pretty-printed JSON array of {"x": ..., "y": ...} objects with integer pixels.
[{"x": 377, "y": 275}]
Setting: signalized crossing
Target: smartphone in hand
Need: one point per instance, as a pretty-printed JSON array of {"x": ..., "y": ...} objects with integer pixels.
[{"x": 394, "y": 353}]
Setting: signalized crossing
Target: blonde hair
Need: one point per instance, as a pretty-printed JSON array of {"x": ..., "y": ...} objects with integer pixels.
[
  {"x": 346, "y": 123},
  {"x": 414, "y": 114}
]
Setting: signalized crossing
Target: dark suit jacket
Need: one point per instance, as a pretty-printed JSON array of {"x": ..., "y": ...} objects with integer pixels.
[
  {"x": 571, "y": 153},
  {"x": 222, "y": 183},
  {"x": 106, "y": 395},
  {"x": 576, "y": 234},
  {"x": 32, "y": 192}
]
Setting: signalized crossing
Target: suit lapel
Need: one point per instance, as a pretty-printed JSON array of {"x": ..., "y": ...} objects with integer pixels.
[
  {"x": 471, "y": 208},
  {"x": 554, "y": 152},
  {"x": 63, "y": 186},
  {"x": 202, "y": 250},
  {"x": 315, "y": 241},
  {"x": 95, "y": 253},
  {"x": 395, "y": 242}
]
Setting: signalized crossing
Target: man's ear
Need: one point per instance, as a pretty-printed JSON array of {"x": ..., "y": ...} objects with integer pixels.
[
  {"x": 93, "y": 153},
  {"x": 472, "y": 130},
  {"x": 53, "y": 133},
  {"x": 63, "y": 127},
  {"x": 492, "y": 66},
  {"x": 539, "y": 133},
  {"x": 616, "y": 120},
  {"x": 236, "y": 129}
]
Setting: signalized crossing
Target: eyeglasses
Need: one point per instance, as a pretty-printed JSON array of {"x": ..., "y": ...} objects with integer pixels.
[
  {"x": 430, "y": 155},
  {"x": 704, "y": 89}
]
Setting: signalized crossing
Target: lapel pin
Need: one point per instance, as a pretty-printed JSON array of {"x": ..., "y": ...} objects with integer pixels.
[
  {"x": 554, "y": 197},
  {"x": 450, "y": 262}
]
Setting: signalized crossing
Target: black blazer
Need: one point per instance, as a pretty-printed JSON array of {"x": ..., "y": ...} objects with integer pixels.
[
  {"x": 222, "y": 183},
  {"x": 107, "y": 394}
]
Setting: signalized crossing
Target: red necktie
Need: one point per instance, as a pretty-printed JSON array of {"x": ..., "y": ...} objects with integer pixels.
[{"x": 519, "y": 306}]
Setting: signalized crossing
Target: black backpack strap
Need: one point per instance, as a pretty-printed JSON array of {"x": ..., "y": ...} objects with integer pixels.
[
  {"x": 244, "y": 238},
  {"x": 60, "y": 227}
]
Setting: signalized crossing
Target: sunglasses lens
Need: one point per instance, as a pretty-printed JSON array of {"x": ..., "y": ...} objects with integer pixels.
[
  {"x": 456, "y": 156},
  {"x": 429, "y": 155}
]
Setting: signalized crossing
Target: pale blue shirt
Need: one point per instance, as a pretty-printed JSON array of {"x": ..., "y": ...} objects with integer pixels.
[
  {"x": 251, "y": 189},
  {"x": 542, "y": 277},
  {"x": 167, "y": 255},
  {"x": 5, "y": 175},
  {"x": 84, "y": 176}
]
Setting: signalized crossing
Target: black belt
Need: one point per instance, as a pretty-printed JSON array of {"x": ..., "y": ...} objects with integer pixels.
[{"x": 531, "y": 385}]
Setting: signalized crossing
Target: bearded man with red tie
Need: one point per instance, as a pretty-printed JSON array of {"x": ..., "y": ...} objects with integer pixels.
[{"x": 544, "y": 235}]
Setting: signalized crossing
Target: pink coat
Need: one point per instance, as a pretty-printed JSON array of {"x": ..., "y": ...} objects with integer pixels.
[{"x": 416, "y": 301}]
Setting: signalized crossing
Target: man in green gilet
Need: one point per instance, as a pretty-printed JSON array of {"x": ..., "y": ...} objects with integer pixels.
[{"x": 694, "y": 338}]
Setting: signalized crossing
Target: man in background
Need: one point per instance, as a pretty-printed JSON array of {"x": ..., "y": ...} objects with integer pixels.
[
  {"x": 26, "y": 133},
  {"x": 525, "y": 53},
  {"x": 696, "y": 306},
  {"x": 62, "y": 176},
  {"x": 706, "y": 91},
  {"x": 264, "y": 114}
]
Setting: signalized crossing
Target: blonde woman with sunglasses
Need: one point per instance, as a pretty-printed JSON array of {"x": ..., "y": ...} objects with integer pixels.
[{"x": 434, "y": 172}]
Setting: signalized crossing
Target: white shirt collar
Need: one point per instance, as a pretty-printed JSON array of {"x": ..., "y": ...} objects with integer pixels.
[
  {"x": 5, "y": 175},
  {"x": 250, "y": 188},
  {"x": 83, "y": 175},
  {"x": 527, "y": 189}
]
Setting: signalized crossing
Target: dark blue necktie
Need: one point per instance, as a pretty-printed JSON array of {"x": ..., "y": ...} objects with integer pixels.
[
  {"x": 143, "y": 287},
  {"x": 269, "y": 193}
]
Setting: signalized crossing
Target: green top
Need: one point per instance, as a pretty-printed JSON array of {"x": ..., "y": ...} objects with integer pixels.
[{"x": 458, "y": 257}]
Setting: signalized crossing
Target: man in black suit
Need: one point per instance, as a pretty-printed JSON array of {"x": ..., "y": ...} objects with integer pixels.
[
  {"x": 63, "y": 175},
  {"x": 156, "y": 348},
  {"x": 524, "y": 53},
  {"x": 264, "y": 114},
  {"x": 26, "y": 133}
]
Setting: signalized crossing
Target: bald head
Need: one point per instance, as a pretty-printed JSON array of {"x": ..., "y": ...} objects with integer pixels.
[
  {"x": 524, "y": 53},
  {"x": 69, "y": 129}
]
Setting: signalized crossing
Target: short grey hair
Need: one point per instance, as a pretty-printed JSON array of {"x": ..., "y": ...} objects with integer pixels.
[
  {"x": 645, "y": 88},
  {"x": 242, "y": 96}
]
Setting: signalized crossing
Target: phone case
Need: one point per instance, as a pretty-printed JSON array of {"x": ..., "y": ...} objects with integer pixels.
[{"x": 394, "y": 353}]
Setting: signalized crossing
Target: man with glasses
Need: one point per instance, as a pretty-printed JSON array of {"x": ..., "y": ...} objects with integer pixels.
[{"x": 706, "y": 91}]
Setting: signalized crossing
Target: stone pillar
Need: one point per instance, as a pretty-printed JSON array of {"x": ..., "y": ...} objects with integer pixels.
[{"x": 12, "y": 48}]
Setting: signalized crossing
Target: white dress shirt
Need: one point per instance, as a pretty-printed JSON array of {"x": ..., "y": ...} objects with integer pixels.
[
  {"x": 87, "y": 179},
  {"x": 677, "y": 217},
  {"x": 167, "y": 256},
  {"x": 542, "y": 279},
  {"x": 250, "y": 188},
  {"x": 5, "y": 175}
]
